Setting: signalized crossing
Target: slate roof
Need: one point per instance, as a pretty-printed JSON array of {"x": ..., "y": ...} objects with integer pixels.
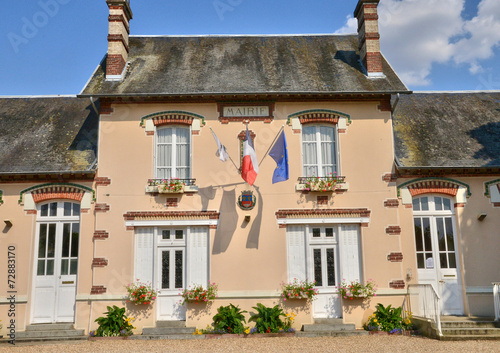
[
  {"x": 202, "y": 65},
  {"x": 57, "y": 134},
  {"x": 459, "y": 129}
]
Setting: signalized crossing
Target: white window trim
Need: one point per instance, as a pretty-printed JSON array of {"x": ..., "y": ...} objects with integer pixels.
[{"x": 173, "y": 223}]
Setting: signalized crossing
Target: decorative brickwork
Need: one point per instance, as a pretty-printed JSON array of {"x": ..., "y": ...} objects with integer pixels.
[
  {"x": 30, "y": 211},
  {"x": 433, "y": 186},
  {"x": 98, "y": 290},
  {"x": 101, "y": 207},
  {"x": 105, "y": 108},
  {"x": 172, "y": 202},
  {"x": 118, "y": 38},
  {"x": 391, "y": 203},
  {"x": 120, "y": 18},
  {"x": 398, "y": 284},
  {"x": 150, "y": 133},
  {"x": 390, "y": 178},
  {"x": 395, "y": 257},
  {"x": 242, "y": 134},
  {"x": 385, "y": 105},
  {"x": 320, "y": 117},
  {"x": 130, "y": 228},
  {"x": 57, "y": 192},
  {"x": 101, "y": 234},
  {"x": 99, "y": 262},
  {"x": 177, "y": 119},
  {"x": 130, "y": 216},
  {"x": 212, "y": 226},
  {"x": 322, "y": 200},
  {"x": 393, "y": 230},
  {"x": 459, "y": 205},
  {"x": 315, "y": 213},
  {"x": 368, "y": 35},
  {"x": 102, "y": 181},
  {"x": 115, "y": 63},
  {"x": 496, "y": 204}
]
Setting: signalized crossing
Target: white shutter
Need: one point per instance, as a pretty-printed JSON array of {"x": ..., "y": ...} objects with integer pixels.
[
  {"x": 350, "y": 252},
  {"x": 197, "y": 256},
  {"x": 144, "y": 254},
  {"x": 295, "y": 238}
]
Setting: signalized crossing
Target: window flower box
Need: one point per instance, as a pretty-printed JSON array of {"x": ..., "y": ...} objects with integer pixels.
[
  {"x": 357, "y": 290},
  {"x": 329, "y": 183},
  {"x": 171, "y": 186},
  {"x": 298, "y": 290}
]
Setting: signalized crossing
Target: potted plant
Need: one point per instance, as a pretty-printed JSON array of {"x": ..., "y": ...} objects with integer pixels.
[
  {"x": 198, "y": 294},
  {"x": 331, "y": 182},
  {"x": 355, "y": 289},
  {"x": 141, "y": 293},
  {"x": 114, "y": 324},
  {"x": 389, "y": 320},
  {"x": 269, "y": 320},
  {"x": 298, "y": 290},
  {"x": 173, "y": 185}
]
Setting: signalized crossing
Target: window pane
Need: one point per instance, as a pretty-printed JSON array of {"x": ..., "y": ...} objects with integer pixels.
[
  {"x": 42, "y": 242},
  {"x": 64, "y": 267},
  {"x": 165, "y": 270},
  {"x": 164, "y": 157},
  {"x": 51, "y": 243},
  {"x": 429, "y": 260},
  {"x": 182, "y": 155},
  {"x": 449, "y": 234},
  {"x": 164, "y": 135},
  {"x": 452, "y": 259},
  {"x": 50, "y": 267},
  {"x": 182, "y": 173},
  {"x": 44, "y": 210},
  {"x": 416, "y": 204},
  {"x": 326, "y": 133},
  {"x": 330, "y": 266},
  {"x": 182, "y": 135},
  {"x": 74, "y": 239},
  {"x": 179, "y": 234},
  {"x": 76, "y": 209},
  {"x": 438, "y": 203},
  {"x": 420, "y": 261},
  {"x": 318, "y": 276},
  {"x": 329, "y": 232},
  {"x": 418, "y": 235},
  {"x": 440, "y": 234},
  {"x": 443, "y": 261},
  {"x": 424, "y": 201},
  {"x": 41, "y": 268},
  {"x": 67, "y": 209},
  {"x": 447, "y": 204},
  {"x": 53, "y": 209},
  {"x": 309, "y": 133},
  {"x": 316, "y": 232},
  {"x": 66, "y": 239},
  {"x": 73, "y": 267},
  {"x": 165, "y": 234},
  {"x": 178, "y": 268},
  {"x": 427, "y": 234}
]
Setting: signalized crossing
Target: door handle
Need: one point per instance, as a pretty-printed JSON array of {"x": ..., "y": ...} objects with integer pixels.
[{"x": 441, "y": 281}]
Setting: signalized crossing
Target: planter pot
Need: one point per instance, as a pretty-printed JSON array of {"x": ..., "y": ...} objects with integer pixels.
[
  {"x": 161, "y": 190},
  {"x": 113, "y": 338}
]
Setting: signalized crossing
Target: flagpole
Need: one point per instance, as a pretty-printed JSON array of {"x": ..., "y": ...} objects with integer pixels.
[
  {"x": 272, "y": 144},
  {"x": 228, "y": 155}
]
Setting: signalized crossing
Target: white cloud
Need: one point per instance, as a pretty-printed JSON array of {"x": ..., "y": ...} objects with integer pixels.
[{"x": 415, "y": 34}]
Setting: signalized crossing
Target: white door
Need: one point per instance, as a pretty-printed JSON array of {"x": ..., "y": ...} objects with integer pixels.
[
  {"x": 56, "y": 262},
  {"x": 436, "y": 247}
]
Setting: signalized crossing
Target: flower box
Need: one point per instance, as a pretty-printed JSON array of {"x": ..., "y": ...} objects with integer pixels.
[{"x": 163, "y": 190}]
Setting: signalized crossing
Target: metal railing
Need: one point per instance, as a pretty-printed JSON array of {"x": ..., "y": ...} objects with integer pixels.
[
  {"x": 425, "y": 302},
  {"x": 338, "y": 179},
  {"x": 187, "y": 182},
  {"x": 496, "y": 299}
]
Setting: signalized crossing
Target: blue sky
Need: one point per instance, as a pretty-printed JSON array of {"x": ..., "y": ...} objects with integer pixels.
[{"x": 53, "y": 46}]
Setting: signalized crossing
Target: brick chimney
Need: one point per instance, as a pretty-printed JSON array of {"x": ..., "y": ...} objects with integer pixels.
[
  {"x": 369, "y": 37},
  {"x": 119, "y": 16}
]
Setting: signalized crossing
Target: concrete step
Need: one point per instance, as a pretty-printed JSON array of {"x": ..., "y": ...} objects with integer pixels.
[
  {"x": 47, "y": 339},
  {"x": 324, "y": 327},
  {"x": 166, "y": 337},
  {"x": 170, "y": 323},
  {"x": 168, "y": 330},
  {"x": 469, "y": 324},
  {"x": 50, "y": 334},
  {"x": 471, "y": 331},
  {"x": 49, "y": 327},
  {"x": 346, "y": 333},
  {"x": 329, "y": 321},
  {"x": 470, "y": 338}
]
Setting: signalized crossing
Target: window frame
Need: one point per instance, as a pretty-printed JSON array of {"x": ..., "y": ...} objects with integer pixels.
[
  {"x": 336, "y": 146},
  {"x": 174, "y": 152}
]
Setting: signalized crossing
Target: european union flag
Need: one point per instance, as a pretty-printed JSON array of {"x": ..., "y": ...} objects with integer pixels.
[{"x": 279, "y": 153}]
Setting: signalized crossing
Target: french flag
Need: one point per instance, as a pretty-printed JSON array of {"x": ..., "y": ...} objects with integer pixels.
[{"x": 250, "y": 166}]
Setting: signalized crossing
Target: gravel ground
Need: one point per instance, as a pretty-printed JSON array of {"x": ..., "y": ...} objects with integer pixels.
[{"x": 275, "y": 345}]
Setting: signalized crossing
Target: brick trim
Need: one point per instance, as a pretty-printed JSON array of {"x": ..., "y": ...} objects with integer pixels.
[
  {"x": 101, "y": 234},
  {"x": 101, "y": 207},
  {"x": 99, "y": 262},
  {"x": 102, "y": 181},
  {"x": 389, "y": 177},
  {"x": 385, "y": 105},
  {"x": 395, "y": 257},
  {"x": 115, "y": 63},
  {"x": 320, "y": 117},
  {"x": 119, "y": 38},
  {"x": 120, "y": 18},
  {"x": 433, "y": 186},
  {"x": 322, "y": 200},
  {"x": 170, "y": 119},
  {"x": 397, "y": 284},
  {"x": 172, "y": 202},
  {"x": 130, "y": 216},
  {"x": 98, "y": 290},
  {"x": 391, "y": 203},
  {"x": 393, "y": 230},
  {"x": 105, "y": 107},
  {"x": 57, "y": 192},
  {"x": 347, "y": 212},
  {"x": 30, "y": 212}
]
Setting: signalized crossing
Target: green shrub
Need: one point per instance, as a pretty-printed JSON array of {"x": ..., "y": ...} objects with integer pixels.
[
  {"x": 229, "y": 319},
  {"x": 268, "y": 320},
  {"x": 115, "y": 323},
  {"x": 388, "y": 319}
]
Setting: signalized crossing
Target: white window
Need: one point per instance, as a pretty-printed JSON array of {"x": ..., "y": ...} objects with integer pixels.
[
  {"x": 173, "y": 152},
  {"x": 319, "y": 150}
]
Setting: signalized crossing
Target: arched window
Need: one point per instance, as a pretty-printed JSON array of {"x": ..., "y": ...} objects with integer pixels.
[
  {"x": 319, "y": 150},
  {"x": 173, "y": 152}
]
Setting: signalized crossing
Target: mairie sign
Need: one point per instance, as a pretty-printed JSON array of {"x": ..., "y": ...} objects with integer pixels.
[
  {"x": 246, "y": 111},
  {"x": 247, "y": 200}
]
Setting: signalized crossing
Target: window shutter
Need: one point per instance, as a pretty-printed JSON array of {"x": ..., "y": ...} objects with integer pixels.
[
  {"x": 350, "y": 252},
  {"x": 295, "y": 236},
  {"x": 197, "y": 256},
  {"x": 144, "y": 254}
]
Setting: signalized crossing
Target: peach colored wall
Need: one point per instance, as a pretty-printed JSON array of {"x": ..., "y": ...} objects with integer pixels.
[{"x": 22, "y": 236}]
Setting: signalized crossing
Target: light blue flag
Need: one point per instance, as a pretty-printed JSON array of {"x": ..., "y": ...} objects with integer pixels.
[{"x": 279, "y": 152}]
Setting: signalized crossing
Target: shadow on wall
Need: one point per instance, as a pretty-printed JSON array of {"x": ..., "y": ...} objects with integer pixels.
[
  {"x": 488, "y": 135},
  {"x": 253, "y": 235},
  {"x": 227, "y": 222}
]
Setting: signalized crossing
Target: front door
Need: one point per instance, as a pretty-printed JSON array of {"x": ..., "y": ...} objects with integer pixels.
[
  {"x": 56, "y": 262},
  {"x": 436, "y": 247}
]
